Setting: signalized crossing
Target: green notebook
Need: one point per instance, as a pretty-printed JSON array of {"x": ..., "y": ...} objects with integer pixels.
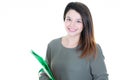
[{"x": 45, "y": 65}]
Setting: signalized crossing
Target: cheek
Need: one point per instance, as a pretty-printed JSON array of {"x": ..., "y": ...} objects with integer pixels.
[
  {"x": 66, "y": 24},
  {"x": 80, "y": 27}
]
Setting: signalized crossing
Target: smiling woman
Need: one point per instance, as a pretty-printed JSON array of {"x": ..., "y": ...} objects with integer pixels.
[
  {"x": 31, "y": 24},
  {"x": 76, "y": 56},
  {"x": 73, "y": 23}
]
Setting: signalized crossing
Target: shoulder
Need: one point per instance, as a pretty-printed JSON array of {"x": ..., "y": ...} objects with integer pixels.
[
  {"x": 54, "y": 42},
  {"x": 99, "y": 56},
  {"x": 53, "y": 46},
  {"x": 99, "y": 51}
]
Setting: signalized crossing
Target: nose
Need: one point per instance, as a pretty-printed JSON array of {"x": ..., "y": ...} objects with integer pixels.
[{"x": 72, "y": 24}]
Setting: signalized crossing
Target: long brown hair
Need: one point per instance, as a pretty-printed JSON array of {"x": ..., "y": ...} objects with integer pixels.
[{"x": 87, "y": 42}]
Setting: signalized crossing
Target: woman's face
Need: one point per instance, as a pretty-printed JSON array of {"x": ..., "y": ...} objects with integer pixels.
[{"x": 73, "y": 23}]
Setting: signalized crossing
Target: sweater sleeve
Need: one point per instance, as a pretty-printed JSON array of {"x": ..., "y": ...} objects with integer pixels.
[
  {"x": 43, "y": 75},
  {"x": 98, "y": 67}
]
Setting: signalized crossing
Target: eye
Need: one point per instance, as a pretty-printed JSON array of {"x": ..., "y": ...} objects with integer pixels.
[
  {"x": 68, "y": 19},
  {"x": 79, "y": 21}
]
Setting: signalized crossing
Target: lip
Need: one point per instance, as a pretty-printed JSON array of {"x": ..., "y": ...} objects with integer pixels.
[{"x": 72, "y": 30}]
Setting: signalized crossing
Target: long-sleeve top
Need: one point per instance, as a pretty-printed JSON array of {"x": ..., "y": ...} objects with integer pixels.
[{"x": 66, "y": 64}]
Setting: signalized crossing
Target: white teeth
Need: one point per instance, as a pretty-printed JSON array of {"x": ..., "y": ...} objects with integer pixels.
[{"x": 72, "y": 30}]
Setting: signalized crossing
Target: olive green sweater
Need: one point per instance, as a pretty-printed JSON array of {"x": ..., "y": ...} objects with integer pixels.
[{"x": 66, "y": 63}]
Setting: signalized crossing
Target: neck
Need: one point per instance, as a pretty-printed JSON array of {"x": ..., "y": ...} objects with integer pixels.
[{"x": 71, "y": 41}]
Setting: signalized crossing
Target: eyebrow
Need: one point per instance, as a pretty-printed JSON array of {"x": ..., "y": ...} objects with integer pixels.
[
  {"x": 67, "y": 17},
  {"x": 70, "y": 17}
]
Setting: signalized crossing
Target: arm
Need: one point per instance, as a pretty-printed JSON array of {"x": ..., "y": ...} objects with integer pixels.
[
  {"x": 98, "y": 67},
  {"x": 43, "y": 75}
]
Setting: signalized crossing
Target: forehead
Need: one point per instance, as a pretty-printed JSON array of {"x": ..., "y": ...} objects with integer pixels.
[{"x": 73, "y": 14}]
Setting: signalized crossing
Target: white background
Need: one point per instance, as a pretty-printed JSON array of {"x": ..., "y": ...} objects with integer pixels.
[{"x": 31, "y": 24}]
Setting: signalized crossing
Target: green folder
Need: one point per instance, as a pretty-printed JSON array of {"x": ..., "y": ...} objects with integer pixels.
[{"x": 44, "y": 64}]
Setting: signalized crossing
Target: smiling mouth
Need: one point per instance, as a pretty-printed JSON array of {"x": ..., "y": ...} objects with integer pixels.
[{"x": 72, "y": 29}]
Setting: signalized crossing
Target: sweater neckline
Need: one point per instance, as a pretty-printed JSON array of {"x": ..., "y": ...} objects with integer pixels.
[{"x": 60, "y": 41}]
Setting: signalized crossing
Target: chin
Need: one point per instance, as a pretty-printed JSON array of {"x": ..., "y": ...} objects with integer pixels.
[{"x": 73, "y": 34}]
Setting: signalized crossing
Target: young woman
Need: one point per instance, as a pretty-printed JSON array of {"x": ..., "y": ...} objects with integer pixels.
[{"x": 76, "y": 56}]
